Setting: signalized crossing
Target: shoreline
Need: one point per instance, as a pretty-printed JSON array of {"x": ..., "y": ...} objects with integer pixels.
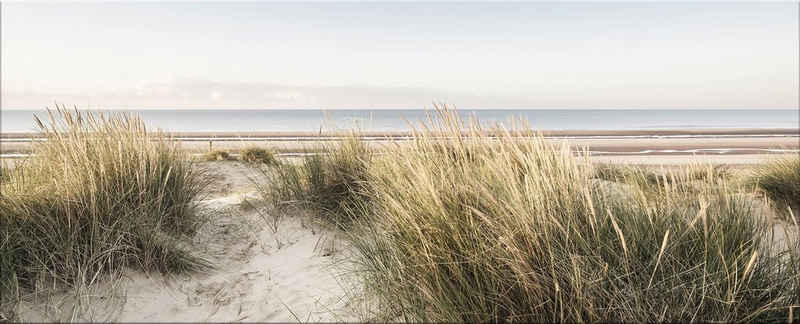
[
  {"x": 634, "y": 143},
  {"x": 707, "y": 132}
]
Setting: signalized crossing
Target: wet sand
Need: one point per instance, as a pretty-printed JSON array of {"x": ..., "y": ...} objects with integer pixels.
[
  {"x": 551, "y": 133},
  {"x": 597, "y": 142}
]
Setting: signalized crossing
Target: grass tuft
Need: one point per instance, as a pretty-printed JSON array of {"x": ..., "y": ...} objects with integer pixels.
[
  {"x": 101, "y": 193},
  {"x": 217, "y": 155},
  {"x": 457, "y": 227},
  {"x": 780, "y": 181},
  {"x": 254, "y": 154},
  {"x": 330, "y": 183}
]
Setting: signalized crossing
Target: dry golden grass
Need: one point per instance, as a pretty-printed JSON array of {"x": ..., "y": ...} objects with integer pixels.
[
  {"x": 254, "y": 154},
  {"x": 462, "y": 229},
  {"x": 780, "y": 181},
  {"x": 217, "y": 155}
]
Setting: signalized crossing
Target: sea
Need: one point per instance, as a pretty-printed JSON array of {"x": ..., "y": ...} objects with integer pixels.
[{"x": 312, "y": 120}]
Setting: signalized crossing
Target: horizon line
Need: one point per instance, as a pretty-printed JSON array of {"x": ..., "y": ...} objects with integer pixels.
[{"x": 409, "y": 108}]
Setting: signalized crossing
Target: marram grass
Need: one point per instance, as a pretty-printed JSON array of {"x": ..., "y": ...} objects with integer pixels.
[
  {"x": 101, "y": 193},
  {"x": 331, "y": 182},
  {"x": 255, "y": 154},
  {"x": 217, "y": 155},
  {"x": 780, "y": 181},
  {"x": 468, "y": 229}
]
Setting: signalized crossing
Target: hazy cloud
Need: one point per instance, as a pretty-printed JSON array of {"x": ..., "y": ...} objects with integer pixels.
[
  {"x": 400, "y": 55},
  {"x": 206, "y": 94}
]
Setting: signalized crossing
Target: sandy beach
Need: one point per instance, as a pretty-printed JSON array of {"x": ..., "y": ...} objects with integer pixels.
[
  {"x": 262, "y": 275},
  {"x": 289, "y": 267},
  {"x": 647, "y": 147},
  {"x": 293, "y": 273},
  {"x": 424, "y": 162},
  {"x": 597, "y": 142}
]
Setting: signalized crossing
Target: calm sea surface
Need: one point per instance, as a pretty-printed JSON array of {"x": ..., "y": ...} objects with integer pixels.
[{"x": 397, "y": 119}]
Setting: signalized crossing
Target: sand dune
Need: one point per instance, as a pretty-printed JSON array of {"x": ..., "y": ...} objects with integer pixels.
[
  {"x": 283, "y": 276},
  {"x": 292, "y": 272}
]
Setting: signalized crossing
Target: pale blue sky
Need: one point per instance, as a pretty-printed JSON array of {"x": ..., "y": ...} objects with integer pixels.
[{"x": 392, "y": 55}]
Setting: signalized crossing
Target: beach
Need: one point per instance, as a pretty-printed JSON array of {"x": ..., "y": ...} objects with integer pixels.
[
  {"x": 294, "y": 267},
  {"x": 735, "y": 147},
  {"x": 424, "y": 162},
  {"x": 297, "y": 272},
  {"x": 597, "y": 142},
  {"x": 262, "y": 275}
]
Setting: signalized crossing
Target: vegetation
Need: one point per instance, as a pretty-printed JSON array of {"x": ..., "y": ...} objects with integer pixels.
[
  {"x": 330, "y": 182},
  {"x": 453, "y": 226},
  {"x": 460, "y": 229},
  {"x": 101, "y": 193},
  {"x": 217, "y": 155},
  {"x": 254, "y": 154},
  {"x": 780, "y": 181},
  {"x": 644, "y": 176}
]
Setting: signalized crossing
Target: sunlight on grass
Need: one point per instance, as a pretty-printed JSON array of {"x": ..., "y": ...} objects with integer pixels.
[{"x": 102, "y": 193}]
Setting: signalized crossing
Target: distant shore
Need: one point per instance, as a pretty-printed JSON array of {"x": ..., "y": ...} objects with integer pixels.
[
  {"x": 547, "y": 133},
  {"x": 733, "y": 141}
]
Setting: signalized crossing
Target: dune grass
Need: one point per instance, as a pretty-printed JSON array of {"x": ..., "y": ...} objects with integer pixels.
[
  {"x": 329, "y": 182},
  {"x": 253, "y": 154},
  {"x": 780, "y": 181},
  {"x": 217, "y": 155},
  {"x": 462, "y": 229},
  {"x": 101, "y": 193},
  {"x": 649, "y": 176}
]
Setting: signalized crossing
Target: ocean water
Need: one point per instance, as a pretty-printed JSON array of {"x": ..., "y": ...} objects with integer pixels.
[{"x": 225, "y": 120}]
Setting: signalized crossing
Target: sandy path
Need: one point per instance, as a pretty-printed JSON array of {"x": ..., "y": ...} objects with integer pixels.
[
  {"x": 261, "y": 276},
  {"x": 283, "y": 277}
]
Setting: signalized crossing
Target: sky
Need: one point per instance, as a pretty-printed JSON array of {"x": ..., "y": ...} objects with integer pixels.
[{"x": 399, "y": 55}]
